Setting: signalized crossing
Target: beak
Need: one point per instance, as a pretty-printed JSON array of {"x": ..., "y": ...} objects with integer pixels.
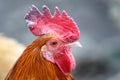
[{"x": 75, "y": 44}]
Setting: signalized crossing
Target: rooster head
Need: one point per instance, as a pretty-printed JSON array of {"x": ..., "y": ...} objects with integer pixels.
[{"x": 56, "y": 50}]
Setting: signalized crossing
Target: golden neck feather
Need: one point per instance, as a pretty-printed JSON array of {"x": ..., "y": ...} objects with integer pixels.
[{"x": 32, "y": 66}]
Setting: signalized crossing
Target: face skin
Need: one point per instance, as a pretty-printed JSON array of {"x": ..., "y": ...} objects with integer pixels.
[
  {"x": 51, "y": 48},
  {"x": 58, "y": 52},
  {"x": 55, "y": 46}
]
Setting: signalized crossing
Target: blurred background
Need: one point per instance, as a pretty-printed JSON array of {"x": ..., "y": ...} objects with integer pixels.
[{"x": 98, "y": 21}]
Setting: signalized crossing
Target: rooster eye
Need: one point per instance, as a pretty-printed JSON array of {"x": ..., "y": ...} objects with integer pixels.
[{"x": 54, "y": 43}]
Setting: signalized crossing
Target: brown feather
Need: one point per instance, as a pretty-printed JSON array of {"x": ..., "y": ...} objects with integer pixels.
[{"x": 32, "y": 66}]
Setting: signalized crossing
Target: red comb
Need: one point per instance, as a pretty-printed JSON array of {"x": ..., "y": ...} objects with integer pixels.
[{"x": 45, "y": 23}]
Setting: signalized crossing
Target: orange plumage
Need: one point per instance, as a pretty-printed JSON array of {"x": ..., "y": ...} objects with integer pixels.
[
  {"x": 49, "y": 57},
  {"x": 31, "y": 65}
]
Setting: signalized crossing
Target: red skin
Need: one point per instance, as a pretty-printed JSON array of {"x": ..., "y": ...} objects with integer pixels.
[
  {"x": 60, "y": 54},
  {"x": 61, "y": 25}
]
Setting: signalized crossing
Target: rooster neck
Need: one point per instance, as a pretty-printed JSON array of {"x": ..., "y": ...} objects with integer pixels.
[{"x": 32, "y": 66}]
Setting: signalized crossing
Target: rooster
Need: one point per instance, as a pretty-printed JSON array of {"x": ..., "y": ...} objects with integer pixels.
[{"x": 48, "y": 57}]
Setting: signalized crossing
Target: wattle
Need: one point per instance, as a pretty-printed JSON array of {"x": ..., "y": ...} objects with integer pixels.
[{"x": 65, "y": 61}]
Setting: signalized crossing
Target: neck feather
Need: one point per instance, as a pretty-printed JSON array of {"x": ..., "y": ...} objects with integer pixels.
[{"x": 32, "y": 66}]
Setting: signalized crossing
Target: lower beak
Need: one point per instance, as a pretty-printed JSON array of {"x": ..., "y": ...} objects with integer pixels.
[{"x": 75, "y": 44}]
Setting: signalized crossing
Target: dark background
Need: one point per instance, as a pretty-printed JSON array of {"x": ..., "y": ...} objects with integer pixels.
[{"x": 98, "y": 21}]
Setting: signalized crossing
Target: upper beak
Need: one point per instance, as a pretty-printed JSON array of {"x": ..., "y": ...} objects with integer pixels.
[{"x": 75, "y": 44}]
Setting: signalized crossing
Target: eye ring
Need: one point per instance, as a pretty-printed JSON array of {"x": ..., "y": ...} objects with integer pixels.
[{"x": 54, "y": 43}]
